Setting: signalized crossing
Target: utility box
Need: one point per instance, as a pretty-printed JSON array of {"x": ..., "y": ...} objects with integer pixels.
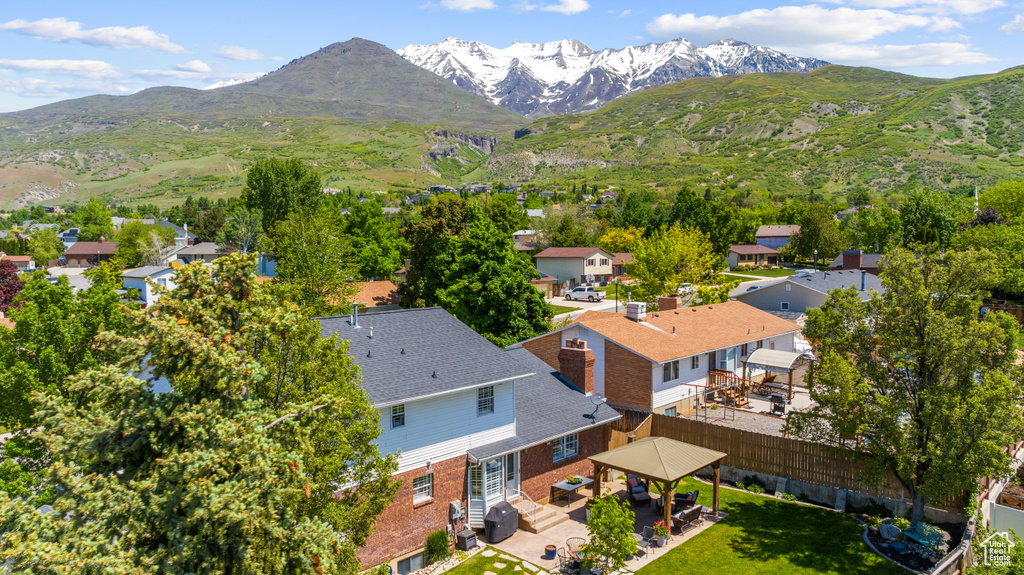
[{"x": 465, "y": 539}]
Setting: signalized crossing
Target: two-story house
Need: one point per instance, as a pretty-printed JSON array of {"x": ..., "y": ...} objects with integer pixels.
[
  {"x": 661, "y": 362},
  {"x": 472, "y": 424},
  {"x": 573, "y": 266},
  {"x": 775, "y": 237},
  {"x": 800, "y": 293}
]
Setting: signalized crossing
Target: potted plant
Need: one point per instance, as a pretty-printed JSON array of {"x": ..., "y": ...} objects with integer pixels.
[
  {"x": 661, "y": 530},
  {"x": 587, "y": 507}
]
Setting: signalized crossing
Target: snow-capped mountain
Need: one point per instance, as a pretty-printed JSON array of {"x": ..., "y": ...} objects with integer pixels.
[{"x": 568, "y": 77}]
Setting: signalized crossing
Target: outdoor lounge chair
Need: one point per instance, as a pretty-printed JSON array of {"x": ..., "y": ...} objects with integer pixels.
[
  {"x": 638, "y": 494},
  {"x": 686, "y": 500},
  {"x": 687, "y": 518}
]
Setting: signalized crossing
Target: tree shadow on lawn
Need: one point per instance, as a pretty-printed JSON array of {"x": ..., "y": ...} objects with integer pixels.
[{"x": 816, "y": 539}]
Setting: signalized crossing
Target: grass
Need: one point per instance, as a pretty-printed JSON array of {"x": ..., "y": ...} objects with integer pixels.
[
  {"x": 560, "y": 309},
  {"x": 609, "y": 292},
  {"x": 774, "y": 537},
  {"x": 1020, "y": 340},
  {"x": 478, "y": 564},
  {"x": 779, "y": 273}
]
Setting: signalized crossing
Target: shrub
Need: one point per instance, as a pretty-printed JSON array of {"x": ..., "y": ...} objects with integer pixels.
[
  {"x": 901, "y": 523},
  {"x": 437, "y": 546},
  {"x": 755, "y": 488},
  {"x": 789, "y": 497},
  {"x": 740, "y": 485}
]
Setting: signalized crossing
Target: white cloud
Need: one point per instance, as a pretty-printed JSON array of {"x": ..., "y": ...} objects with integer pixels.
[
  {"x": 928, "y": 6},
  {"x": 567, "y": 7},
  {"x": 909, "y": 56},
  {"x": 93, "y": 69},
  {"x": 788, "y": 25},
  {"x": 239, "y": 53},
  {"x": 468, "y": 5},
  {"x": 62, "y": 29},
  {"x": 1015, "y": 26},
  {"x": 523, "y": 6},
  {"x": 38, "y": 88},
  {"x": 191, "y": 76},
  {"x": 625, "y": 13},
  {"x": 194, "y": 66}
]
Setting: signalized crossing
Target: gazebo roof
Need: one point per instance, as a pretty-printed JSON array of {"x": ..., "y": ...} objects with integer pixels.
[
  {"x": 773, "y": 359},
  {"x": 659, "y": 458}
]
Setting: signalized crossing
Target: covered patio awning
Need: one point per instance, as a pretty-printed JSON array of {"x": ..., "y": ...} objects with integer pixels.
[
  {"x": 777, "y": 361},
  {"x": 662, "y": 460}
]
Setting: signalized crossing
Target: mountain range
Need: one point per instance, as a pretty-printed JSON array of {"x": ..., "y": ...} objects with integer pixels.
[{"x": 568, "y": 77}]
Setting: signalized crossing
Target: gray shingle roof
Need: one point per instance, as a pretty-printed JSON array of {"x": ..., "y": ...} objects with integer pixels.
[
  {"x": 866, "y": 261},
  {"x": 201, "y": 249},
  {"x": 825, "y": 282},
  {"x": 144, "y": 271},
  {"x": 417, "y": 353},
  {"x": 546, "y": 407}
]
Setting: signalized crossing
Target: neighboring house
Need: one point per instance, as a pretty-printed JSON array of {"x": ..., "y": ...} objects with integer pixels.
[
  {"x": 807, "y": 291},
  {"x": 752, "y": 255},
  {"x": 472, "y": 424},
  {"x": 24, "y": 263},
  {"x": 853, "y": 259},
  {"x": 69, "y": 237},
  {"x": 775, "y": 237},
  {"x": 400, "y": 273},
  {"x": 118, "y": 223},
  {"x": 181, "y": 236},
  {"x": 661, "y": 362},
  {"x": 546, "y": 285},
  {"x": 535, "y": 213},
  {"x": 39, "y": 227},
  {"x": 88, "y": 254},
  {"x": 609, "y": 196},
  {"x": 391, "y": 211},
  {"x": 571, "y": 266},
  {"x": 206, "y": 252},
  {"x": 136, "y": 279},
  {"x": 377, "y": 294},
  {"x": 619, "y": 263},
  {"x": 524, "y": 235}
]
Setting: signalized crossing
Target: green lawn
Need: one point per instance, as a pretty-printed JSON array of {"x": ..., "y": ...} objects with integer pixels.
[
  {"x": 773, "y": 537},
  {"x": 610, "y": 292},
  {"x": 479, "y": 564},
  {"x": 779, "y": 273},
  {"x": 559, "y": 309}
]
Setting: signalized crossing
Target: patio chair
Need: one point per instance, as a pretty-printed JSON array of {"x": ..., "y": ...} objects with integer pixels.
[
  {"x": 567, "y": 565},
  {"x": 648, "y": 537},
  {"x": 575, "y": 543},
  {"x": 687, "y": 500},
  {"x": 687, "y": 518}
]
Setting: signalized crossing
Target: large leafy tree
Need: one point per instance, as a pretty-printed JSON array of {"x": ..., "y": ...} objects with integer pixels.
[
  {"x": 1007, "y": 199},
  {"x": 488, "y": 286},
  {"x": 818, "y": 231},
  {"x": 242, "y": 232},
  {"x": 927, "y": 385},
  {"x": 928, "y": 216},
  {"x": 279, "y": 187},
  {"x": 507, "y": 215},
  {"x": 619, "y": 240},
  {"x": 315, "y": 257},
  {"x": 432, "y": 241},
  {"x": 209, "y": 224},
  {"x": 875, "y": 229},
  {"x": 569, "y": 233},
  {"x": 45, "y": 246},
  {"x": 139, "y": 244},
  {"x": 95, "y": 222},
  {"x": 375, "y": 240},
  {"x": 672, "y": 255},
  {"x": 11, "y": 284},
  {"x": 1007, "y": 243}
]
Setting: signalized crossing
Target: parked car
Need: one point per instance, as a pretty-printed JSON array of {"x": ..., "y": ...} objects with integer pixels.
[{"x": 584, "y": 292}]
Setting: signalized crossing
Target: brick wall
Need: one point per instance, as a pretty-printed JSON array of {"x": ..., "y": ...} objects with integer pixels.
[
  {"x": 539, "y": 472},
  {"x": 627, "y": 377},
  {"x": 403, "y": 527},
  {"x": 576, "y": 363},
  {"x": 546, "y": 348}
]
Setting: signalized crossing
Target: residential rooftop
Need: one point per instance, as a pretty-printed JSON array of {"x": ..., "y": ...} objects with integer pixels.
[
  {"x": 200, "y": 249},
  {"x": 827, "y": 281},
  {"x": 752, "y": 249},
  {"x": 145, "y": 271},
  {"x": 569, "y": 252},
  {"x": 776, "y": 231}
]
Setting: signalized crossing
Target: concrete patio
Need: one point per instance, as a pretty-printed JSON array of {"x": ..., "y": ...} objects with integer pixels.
[{"x": 530, "y": 546}]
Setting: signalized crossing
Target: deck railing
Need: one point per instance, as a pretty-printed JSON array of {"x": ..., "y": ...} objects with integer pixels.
[{"x": 523, "y": 503}]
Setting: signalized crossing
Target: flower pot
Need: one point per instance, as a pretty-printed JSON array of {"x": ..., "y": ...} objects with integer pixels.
[
  {"x": 549, "y": 551},
  {"x": 662, "y": 540},
  {"x": 588, "y": 514}
]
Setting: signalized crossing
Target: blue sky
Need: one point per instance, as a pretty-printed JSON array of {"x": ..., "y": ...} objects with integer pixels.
[{"x": 51, "y": 51}]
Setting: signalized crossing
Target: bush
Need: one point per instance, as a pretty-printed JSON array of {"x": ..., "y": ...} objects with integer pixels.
[
  {"x": 437, "y": 547},
  {"x": 789, "y": 497},
  {"x": 901, "y": 523},
  {"x": 755, "y": 488},
  {"x": 751, "y": 480},
  {"x": 740, "y": 485}
]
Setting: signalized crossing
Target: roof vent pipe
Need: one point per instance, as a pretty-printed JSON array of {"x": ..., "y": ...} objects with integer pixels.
[
  {"x": 863, "y": 279},
  {"x": 355, "y": 315},
  {"x": 371, "y": 332}
]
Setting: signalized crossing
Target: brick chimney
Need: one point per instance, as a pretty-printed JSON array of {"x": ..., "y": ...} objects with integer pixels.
[
  {"x": 667, "y": 303},
  {"x": 851, "y": 259},
  {"x": 576, "y": 364}
]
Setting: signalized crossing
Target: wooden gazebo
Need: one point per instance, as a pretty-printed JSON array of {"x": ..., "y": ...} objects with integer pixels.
[{"x": 661, "y": 460}]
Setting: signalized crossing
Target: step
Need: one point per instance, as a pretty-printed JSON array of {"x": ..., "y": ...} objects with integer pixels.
[{"x": 543, "y": 524}]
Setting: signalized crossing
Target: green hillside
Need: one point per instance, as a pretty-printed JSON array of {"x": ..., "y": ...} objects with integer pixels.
[{"x": 827, "y": 130}]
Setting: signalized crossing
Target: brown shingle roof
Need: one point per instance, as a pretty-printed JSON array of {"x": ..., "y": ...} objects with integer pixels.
[
  {"x": 91, "y": 248},
  {"x": 753, "y": 249},
  {"x": 620, "y": 259},
  {"x": 373, "y": 294},
  {"x": 697, "y": 329},
  {"x": 16, "y": 258},
  {"x": 777, "y": 231},
  {"x": 570, "y": 253}
]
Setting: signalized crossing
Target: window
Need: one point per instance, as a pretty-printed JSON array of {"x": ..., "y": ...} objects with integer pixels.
[
  {"x": 789, "y": 287},
  {"x": 566, "y": 447},
  {"x": 760, "y": 344},
  {"x": 485, "y": 400},
  {"x": 493, "y": 475},
  {"x": 671, "y": 412},
  {"x": 510, "y": 467},
  {"x": 476, "y": 481},
  {"x": 743, "y": 349},
  {"x": 423, "y": 488},
  {"x": 695, "y": 362},
  {"x": 771, "y": 344},
  {"x": 670, "y": 371},
  {"x": 591, "y": 261},
  {"x": 784, "y": 306},
  {"x": 397, "y": 416},
  {"x": 604, "y": 261},
  {"x": 410, "y": 564}
]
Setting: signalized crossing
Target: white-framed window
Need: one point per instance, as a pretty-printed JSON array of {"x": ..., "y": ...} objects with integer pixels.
[
  {"x": 476, "y": 481},
  {"x": 671, "y": 412},
  {"x": 670, "y": 370},
  {"x": 423, "y": 488},
  {"x": 695, "y": 362},
  {"x": 789, "y": 287},
  {"x": 410, "y": 564},
  {"x": 397, "y": 416},
  {"x": 591, "y": 261},
  {"x": 485, "y": 400},
  {"x": 760, "y": 344},
  {"x": 604, "y": 261},
  {"x": 784, "y": 306},
  {"x": 743, "y": 349},
  {"x": 566, "y": 446}
]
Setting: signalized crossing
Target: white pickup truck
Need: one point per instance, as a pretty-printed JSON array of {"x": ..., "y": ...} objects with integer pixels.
[{"x": 584, "y": 292}]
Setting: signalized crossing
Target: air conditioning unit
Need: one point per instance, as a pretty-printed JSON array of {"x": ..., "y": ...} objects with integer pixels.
[{"x": 636, "y": 310}]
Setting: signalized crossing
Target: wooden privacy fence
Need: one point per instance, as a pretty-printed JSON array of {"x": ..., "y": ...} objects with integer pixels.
[{"x": 772, "y": 455}]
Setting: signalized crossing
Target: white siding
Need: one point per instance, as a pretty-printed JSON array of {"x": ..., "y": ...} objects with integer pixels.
[
  {"x": 675, "y": 390},
  {"x": 443, "y": 427}
]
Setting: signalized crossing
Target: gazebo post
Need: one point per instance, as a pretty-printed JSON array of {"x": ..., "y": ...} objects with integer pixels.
[
  {"x": 791, "y": 384},
  {"x": 598, "y": 469},
  {"x": 718, "y": 479},
  {"x": 667, "y": 491}
]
